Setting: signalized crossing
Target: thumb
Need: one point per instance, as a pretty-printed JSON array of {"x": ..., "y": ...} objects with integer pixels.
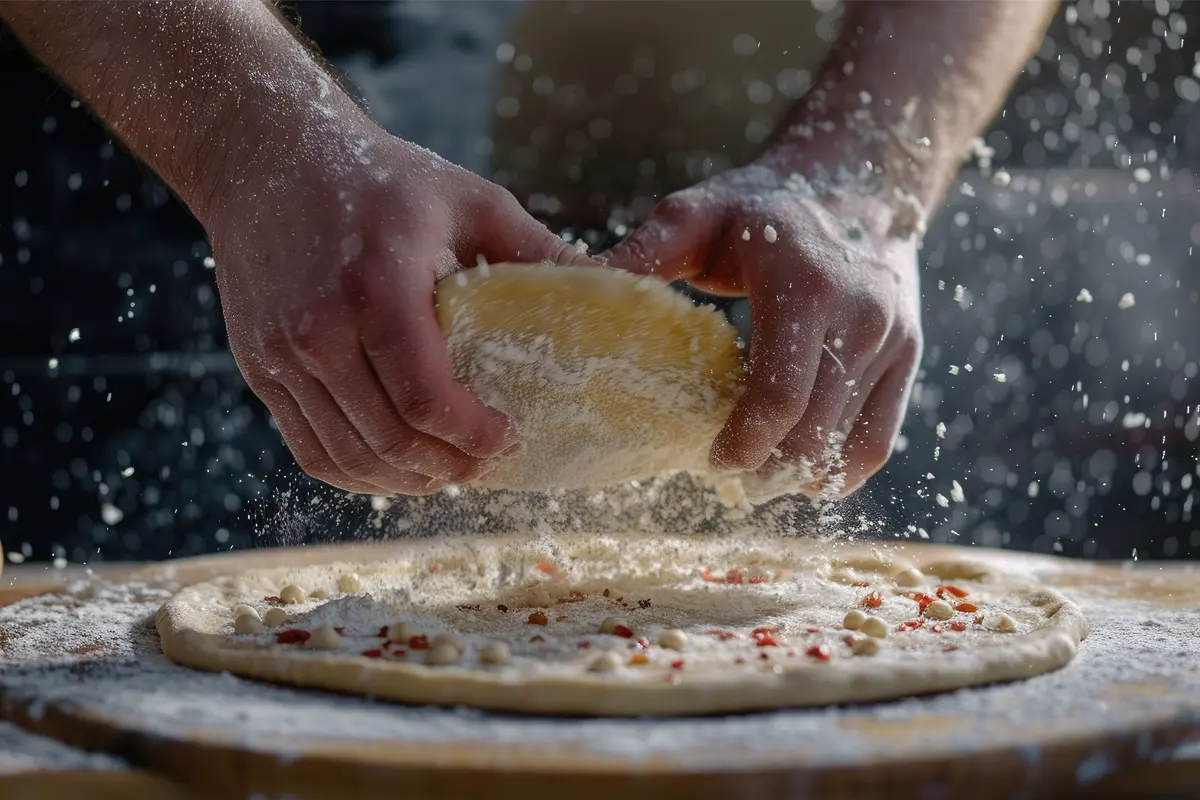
[{"x": 672, "y": 244}]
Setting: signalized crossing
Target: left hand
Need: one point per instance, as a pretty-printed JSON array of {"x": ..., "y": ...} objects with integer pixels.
[{"x": 836, "y": 310}]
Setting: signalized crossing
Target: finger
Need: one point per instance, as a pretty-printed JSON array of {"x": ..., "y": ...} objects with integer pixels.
[
  {"x": 816, "y": 437},
  {"x": 516, "y": 236},
  {"x": 870, "y": 442},
  {"x": 785, "y": 355},
  {"x": 674, "y": 243},
  {"x": 407, "y": 351},
  {"x": 349, "y": 451},
  {"x": 303, "y": 442}
]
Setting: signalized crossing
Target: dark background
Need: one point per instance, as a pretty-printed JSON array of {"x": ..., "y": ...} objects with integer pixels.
[{"x": 141, "y": 441}]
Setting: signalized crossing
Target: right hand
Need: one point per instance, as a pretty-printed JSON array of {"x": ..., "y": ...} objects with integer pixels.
[{"x": 327, "y": 270}]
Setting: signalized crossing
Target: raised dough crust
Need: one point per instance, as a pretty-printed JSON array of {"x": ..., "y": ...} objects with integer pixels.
[
  {"x": 428, "y": 580},
  {"x": 608, "y": 376}
]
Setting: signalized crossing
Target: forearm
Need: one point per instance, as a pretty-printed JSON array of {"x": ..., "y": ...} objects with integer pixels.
[
  {"x": 200, "y": 91},
  {"x": 911, "y": 82}
]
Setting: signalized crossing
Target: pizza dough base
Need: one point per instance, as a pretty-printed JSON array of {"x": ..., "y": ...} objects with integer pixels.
[
  {"x": 608, "y": 376},
  {"x": 195, "y": 628}
]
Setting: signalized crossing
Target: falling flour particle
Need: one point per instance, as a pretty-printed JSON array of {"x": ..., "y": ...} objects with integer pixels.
[
  {"x": 956, "y": 492},
  {"x": 746, "y": 235},
  {"x": 1126, "y": 301},
  {"x": 73, "y": 336},
  {"x": 942, "y": 501},
  {"x": 940, "y": 430},
  {"x": 209, "y": 263},
  {"x": 1000, "y": 377},
  {"x": 958, "y": 293},
  {"x": 770, "y": 235},
  {"x": 1141, "y": 175},
  {"x": 953, "y": 369},
  {"x": 1001, "y": 178},
  {"x": 1084, "y": 296},
  {"x": 1142, "y": 259}
]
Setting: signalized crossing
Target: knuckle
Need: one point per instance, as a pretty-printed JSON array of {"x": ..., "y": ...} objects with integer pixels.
[{"x": 419, "y": 408}]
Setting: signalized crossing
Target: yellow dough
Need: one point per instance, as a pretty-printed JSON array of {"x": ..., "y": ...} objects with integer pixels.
[{"x": 608, "y": 376}]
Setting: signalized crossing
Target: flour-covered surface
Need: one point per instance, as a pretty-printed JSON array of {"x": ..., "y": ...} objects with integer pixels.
[
  {"x": 1138, "y": 675},
  {"x": 21, "y": 751}
]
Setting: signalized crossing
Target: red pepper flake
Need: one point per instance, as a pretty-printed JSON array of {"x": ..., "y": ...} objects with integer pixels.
[
  {"x": 400, "y": 651},
  {"x": 760, "y": 579},
  {"x": 791, "y": 653},
  {"x": 740, "y": 660},
  {"x": 733, "y": 576},
  {"x": 954, "y": 590},
  {"x": 979, "y": 620},
  {"x": 677, "y": 664},
  {"x": 966, "y": 608},
  {"x": 503, "y": 609},
  {"x": 764, "y": 638},
  {"x": 848, "y": 640},
  {"x": 708, "y": 577},
  {"x": 765, "y": 629},
  {"x": 950, "y": 648},
  {"x": 293, "y": 636},
  {"x": 921, "y": 599},
  {"x": 958, "y": 626},
  {"x": 911, "y": 625},
  {"x": 537, "y": 637},
  {"x": 376, "y": 653},
  {"x": 639, "y": 659},
  {"x": 643, "y": 643},
  {"x": 583, "y": 645},
  {"x": 273, "y": 600},
  {"x": 382, "y": 632},
  {"x": 546, "y": 568},
  {"x": 764, "y": 655},
  {"x": 574, "y": 596},
  {"x": 340, "y": 631},
  {"x": 624, "y": 631},
  {"x": 468, "y": 608},
  {"x": 537, "y": 618},
  {"x": 419, "y": 642},
  {"x": 434, "y": 567},
  {"x": 861, "y": 584},
  {"x": 936, "y": 627},
  {"x": 818, "y": 651},
  {"x": 814, "y": 630},
  {"x": 723, "y": 636},
  {"x": 873, "y": 600}
]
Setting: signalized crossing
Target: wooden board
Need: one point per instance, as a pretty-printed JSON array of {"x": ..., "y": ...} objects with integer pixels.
[{"x": 1083, "y": 730}]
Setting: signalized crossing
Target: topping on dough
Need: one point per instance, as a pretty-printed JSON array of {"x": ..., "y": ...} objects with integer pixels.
[
  {"x": 605, "y": 662},
  {"x": 939, "y": 609},
  {"x": 443, "y": 655},
  {"x": 874, "y": 626},
  {"x": 495, "y": 653},
  {"x": 324, "y": 638},
  {"x": 865, "y": 646},
  {"x": 853, "y": 620},
  {"x": 275, "y": 618},
  {"x": 673, "y": 639},
  {"x": 447, "y": 640},
  {"x": 1001, "y": 623},
  {"x": 243, "y": 608},
  {"x": 349, "y": 583},
  {"x": 610, "y": 624},
  {"x": 400, "y": 632},
  {"x": 909, "y": 578},
  {"x": 291, "y": 594},
  {"x": 248, "y": 624}
]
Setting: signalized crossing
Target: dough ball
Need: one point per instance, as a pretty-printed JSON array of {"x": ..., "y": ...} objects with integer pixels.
[
  {"x": 1001, "y": 623},
  {"x": 400, "y": 632},
  {"x": 865, "y": 646},
  {"x": 853, "y": 620},
  {"x": 349, "y": 583},
  {"x": 447, "y": 640},
  {"x": 605, "y": 662},
  {"x": 909, "y": 578},
  {"x": 275, "y": 617},
  {"x": 247, "y": 624},
  {"x": 610, "y": 624},
  {"x": 608, "y": 376},
  {"x": 939, "y": 609}
]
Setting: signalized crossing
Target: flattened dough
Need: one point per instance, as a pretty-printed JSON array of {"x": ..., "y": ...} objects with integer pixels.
[
  {"x": 763, "y": 625},
  {"x": 608, "y": 376}
]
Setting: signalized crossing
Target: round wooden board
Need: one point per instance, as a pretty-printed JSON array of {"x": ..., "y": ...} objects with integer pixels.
[{"x": 1129, "y": 699}]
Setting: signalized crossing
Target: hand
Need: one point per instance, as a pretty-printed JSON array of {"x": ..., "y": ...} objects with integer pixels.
[
  {"x": 327, "y": 274},
  {"x": 835, "y": 305}
]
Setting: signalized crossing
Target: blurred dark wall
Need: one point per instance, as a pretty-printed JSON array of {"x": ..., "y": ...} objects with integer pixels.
[{"x": 139, "y": 440}]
